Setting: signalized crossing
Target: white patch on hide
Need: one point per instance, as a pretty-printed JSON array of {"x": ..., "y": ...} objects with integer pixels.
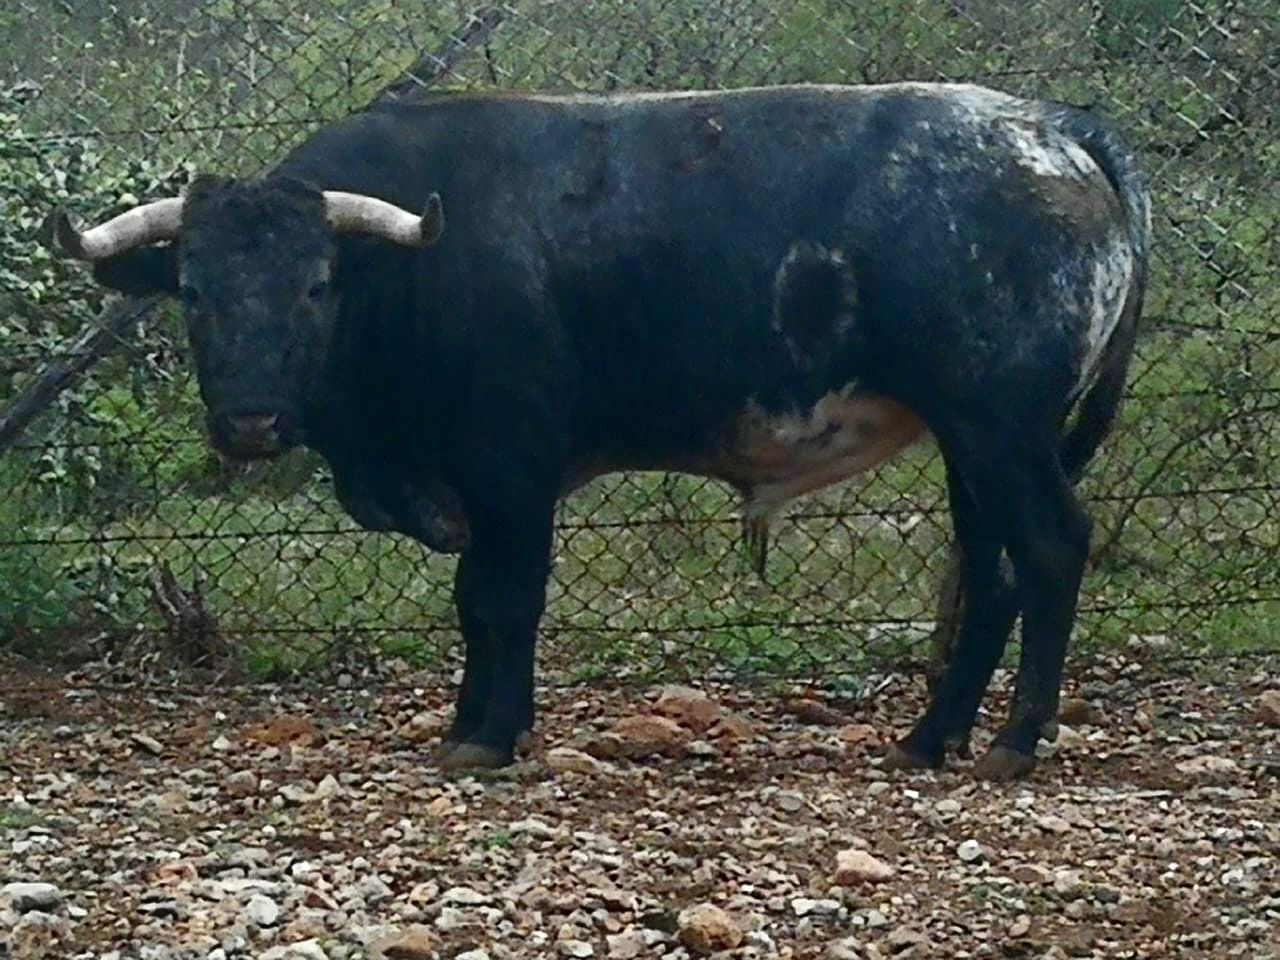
[
  {"x": 1047, "y": 153},
  {"x": 838, "y": 323},
  {"x": 1109, "y": 283}
]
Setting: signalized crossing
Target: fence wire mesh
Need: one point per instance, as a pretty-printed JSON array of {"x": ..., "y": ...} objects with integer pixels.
[{"x": 117, "y": 517}]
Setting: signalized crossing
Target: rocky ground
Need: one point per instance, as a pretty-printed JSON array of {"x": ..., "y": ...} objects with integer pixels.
[{"x": 292, "y": 824}]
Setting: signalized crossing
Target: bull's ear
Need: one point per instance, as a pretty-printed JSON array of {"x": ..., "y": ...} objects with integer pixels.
[{"x": 140, "y": 272}]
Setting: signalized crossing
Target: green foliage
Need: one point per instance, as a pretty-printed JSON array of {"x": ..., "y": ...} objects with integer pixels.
[
  {"x": 104, "y": 104},
  {"x": 1127, "y": 27},
  {"x": 19, "y": 818}
]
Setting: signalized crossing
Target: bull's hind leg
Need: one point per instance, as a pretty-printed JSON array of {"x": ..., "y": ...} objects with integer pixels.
[
  {"x": 1024, "y": 498},
  {"x": 1049, "y": 546},
  {"x": 989, "y": 606}
]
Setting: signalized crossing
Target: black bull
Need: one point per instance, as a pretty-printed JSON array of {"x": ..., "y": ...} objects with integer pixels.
[{"x": 775, "y": 287}]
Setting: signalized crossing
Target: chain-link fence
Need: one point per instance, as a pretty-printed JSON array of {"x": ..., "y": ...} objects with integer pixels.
[{"x": 114, "y": 489}]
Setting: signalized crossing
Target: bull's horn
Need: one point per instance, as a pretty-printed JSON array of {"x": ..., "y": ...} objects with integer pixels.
[
  {"x": 150, "y": 223},
  {"x": 358, "y": 213}
]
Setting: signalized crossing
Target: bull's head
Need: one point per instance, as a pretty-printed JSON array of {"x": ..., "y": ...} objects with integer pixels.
[{"x": 252, "y": 263}]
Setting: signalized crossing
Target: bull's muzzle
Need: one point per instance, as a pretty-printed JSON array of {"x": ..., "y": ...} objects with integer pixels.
[{"x": 251, "y": 436}]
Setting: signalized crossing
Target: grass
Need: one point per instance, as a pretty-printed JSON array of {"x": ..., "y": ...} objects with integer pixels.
[
  {"x": 649, "y": 573},
  {"x": 16, "y": 818},
  {"x": 650, "y": 577}
]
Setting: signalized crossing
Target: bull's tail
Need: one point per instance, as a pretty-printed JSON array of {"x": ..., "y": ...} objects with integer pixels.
[{"x": 1098, "y": 405}]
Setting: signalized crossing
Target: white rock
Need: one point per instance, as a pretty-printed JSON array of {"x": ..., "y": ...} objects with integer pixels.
[
  {"x": 762, "y": 943},
  {"x": 262, "y": 911},
  {"x": 242, "y": 783},
  {"x": 970, "y": 851},
  {"x": 850, "y": 948},
  {"x": 569, "y": 760},
  {"x": 46, "y": 923},
  {"x": 373, "y": 889},
  {"x": 464, "y": 896},
  {"x": 859, "y": 866},
  {"x": 31, "y": 896},
  {"x": 148, "y": 743},
  {"x": 1070, "y": 740},
  {"x": 450, "y": 918},
  {"x": 302, "y": 950},
  {"x": 903, "y": 938},
  {"x": 1208, "y": 765},
  {"x": 1052, "y": 824},
  {"x": 790, "y": 801},
  {"x": 234, "y": 886},
  {"x": 295, "y": 793},
  {"x": 626, "y": 946},
  {"x": 803, "y": 906},
  {"x": 533, "y": 828},
  {"x": 473, "y": 955},
  {"x": 575, "y": 948},
  {"x": 1068, "y": 883}
]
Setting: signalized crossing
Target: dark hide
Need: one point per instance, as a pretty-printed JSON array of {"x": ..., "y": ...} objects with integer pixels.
[{"x": 778, "y": 288}]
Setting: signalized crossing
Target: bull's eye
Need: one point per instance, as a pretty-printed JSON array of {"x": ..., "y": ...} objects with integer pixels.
[{"x": 318, "y": 290}]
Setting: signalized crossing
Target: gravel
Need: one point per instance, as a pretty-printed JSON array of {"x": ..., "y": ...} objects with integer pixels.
[{"x": 309, "y": 824}]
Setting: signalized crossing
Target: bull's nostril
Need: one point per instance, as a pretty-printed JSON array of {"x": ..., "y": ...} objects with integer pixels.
[
  {"x": 254, "y": 429},
  {"x": 257, "y": 424}
]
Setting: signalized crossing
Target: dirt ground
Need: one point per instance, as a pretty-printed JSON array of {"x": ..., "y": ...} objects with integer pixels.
[{"x": 310, "y": 823}]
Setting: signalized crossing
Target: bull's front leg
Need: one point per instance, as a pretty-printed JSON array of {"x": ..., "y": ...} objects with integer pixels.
[{"x": 500, "y": 592}]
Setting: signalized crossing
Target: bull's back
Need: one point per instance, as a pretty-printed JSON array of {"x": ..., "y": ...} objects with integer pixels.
[{"x": 659, "y": 225}]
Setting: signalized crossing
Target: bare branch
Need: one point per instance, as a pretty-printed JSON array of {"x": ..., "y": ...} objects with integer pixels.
[
  {"x": 94, "y": 344},
  {"x": 430, "y": 68}
]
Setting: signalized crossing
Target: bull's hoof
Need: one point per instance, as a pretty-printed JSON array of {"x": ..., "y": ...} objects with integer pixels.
[
  {"x": 1003, "y": 764},
  {"x": 472, "y": 756},
  {"x": 441, "y": 753},
  {"x": 960, "y": 746},
  {"x": 1049, "y": 730},
  {"x": 899, "y": 757}
]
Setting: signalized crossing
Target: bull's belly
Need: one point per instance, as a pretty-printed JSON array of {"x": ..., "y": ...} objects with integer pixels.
[{"x": 772, "y": 458}]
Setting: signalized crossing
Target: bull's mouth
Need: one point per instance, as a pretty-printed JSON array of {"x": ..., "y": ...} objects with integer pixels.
[{"x": 259, "y": 435}]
